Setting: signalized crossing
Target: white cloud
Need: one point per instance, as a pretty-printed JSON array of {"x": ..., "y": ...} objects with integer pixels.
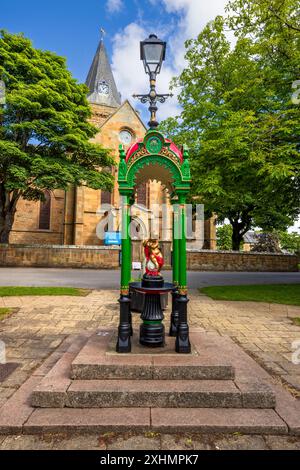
[
  {"x": 128, "y": 69},
  {"x": 295, "y": 227},
  {"x": 196, "y": 13},
  {"x": 114, "y": 6}
]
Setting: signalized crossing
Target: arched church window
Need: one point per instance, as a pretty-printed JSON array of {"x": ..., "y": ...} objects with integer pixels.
[
  {"x": 45, "y": 212},
  {"x": 141, "y": 194},
  {"x": 106, "y": 226},
  {"x": 105, "y": 197}
]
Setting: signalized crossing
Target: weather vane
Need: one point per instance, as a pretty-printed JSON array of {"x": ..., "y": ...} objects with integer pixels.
[{"x": 103, "y": 32}]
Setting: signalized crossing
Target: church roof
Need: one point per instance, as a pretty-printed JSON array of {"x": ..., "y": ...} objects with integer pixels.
[
  {"x": 101, "y": 82},
  {"x": 126, "y": 103}
]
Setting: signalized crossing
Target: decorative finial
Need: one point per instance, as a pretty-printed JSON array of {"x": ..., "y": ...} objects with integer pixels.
[{"x": 103, "y": 32}]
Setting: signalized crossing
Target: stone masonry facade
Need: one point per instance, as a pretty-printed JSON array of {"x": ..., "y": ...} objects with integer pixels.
[{"x": 75, "y": 214}]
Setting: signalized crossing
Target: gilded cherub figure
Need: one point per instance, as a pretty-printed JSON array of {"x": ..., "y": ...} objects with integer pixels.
[{"x": 154, "y": 257}]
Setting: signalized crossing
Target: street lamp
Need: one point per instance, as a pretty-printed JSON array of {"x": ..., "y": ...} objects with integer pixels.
[{"x": 153, "y": 52}]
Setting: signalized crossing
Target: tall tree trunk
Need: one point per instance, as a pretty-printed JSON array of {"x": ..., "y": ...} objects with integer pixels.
[
  {"x": 6, "y": 223},
  {"x": 241, "y": 223},
  {"x": 236, "y": 238},
  {"x": 8, "y": 206}
]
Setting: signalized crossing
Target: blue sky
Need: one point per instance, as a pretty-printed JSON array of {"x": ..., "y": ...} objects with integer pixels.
[
  {"x": 68, "y": 27},
  {"x": 71, "y": 29}
]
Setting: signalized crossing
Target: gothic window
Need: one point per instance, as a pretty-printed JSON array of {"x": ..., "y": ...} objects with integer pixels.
[
  {"x": 105, "y": 197},
  {"x": 45, "y": 212},
  {"x": 141, "y": 194}
]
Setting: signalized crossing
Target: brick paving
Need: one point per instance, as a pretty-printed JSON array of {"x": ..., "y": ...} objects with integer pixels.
[
  {"x": 40, "y": 325},
  {"x": 264, "y": 330}
]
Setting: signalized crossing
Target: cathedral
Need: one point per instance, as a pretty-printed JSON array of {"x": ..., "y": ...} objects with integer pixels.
[{"x": 72, "y": 217}]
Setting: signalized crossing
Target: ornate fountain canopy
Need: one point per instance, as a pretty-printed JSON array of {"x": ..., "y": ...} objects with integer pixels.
[{"x": 157, "y": 158}]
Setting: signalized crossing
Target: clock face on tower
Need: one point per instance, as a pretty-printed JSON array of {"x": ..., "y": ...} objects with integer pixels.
[
  {"x": 125, "y": 137},
  {"x": 103, "y": 88}
]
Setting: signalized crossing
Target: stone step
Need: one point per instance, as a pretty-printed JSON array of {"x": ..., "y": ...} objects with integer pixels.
[
  {"x": 171, "y": 420},
  {"x": 98, "y": 360},
  {"x": 153, "y": 393}
]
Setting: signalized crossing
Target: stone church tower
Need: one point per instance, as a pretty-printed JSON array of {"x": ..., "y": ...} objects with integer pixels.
[
  {"x": 72, "y": 217},
  {"x": 118, "y": 123}
]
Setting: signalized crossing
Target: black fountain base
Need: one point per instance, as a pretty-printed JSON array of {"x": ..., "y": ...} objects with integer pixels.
[{"x": 152, "y": 330}]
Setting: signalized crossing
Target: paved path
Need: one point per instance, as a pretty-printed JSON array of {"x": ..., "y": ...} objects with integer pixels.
[
  {"x": 109, "y": 279},
  {"x": 149, "y": 441},
  {"x": 41, "y": 324},
  {"x": 31, "y": 334}
]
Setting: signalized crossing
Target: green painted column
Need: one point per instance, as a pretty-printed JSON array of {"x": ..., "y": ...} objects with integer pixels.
[
  {"x": 176, "y": 235},
  {"x": 125, "y": 245},
  {"x": 182, "y": 281},
  {"x": 182, "y": 343}
]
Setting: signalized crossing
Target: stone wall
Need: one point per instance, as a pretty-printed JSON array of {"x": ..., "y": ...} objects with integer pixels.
[
  {"x": 206, "y": 260},
  {"x": 26, "y": 224},
  {"x": 108, "y": 258},
  {"x": 59, "y": 256}
]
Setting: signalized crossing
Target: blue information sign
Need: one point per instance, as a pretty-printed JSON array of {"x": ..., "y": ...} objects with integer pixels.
[{"x": 112, "y": 238}]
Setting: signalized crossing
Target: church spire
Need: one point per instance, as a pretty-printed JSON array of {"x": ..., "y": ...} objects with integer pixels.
[{"x": 100, "y": 80}]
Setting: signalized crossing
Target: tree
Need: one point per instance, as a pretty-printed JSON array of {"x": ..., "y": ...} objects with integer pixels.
[
  {"x": 267, "y": 243},
  {"x": 44, "y": 132},
  {"x": 242, "y": 128},
  {"x": 224, "y": 237},
  {"x": 290, "y": 241},
  {"x": 276, "y": 17}
]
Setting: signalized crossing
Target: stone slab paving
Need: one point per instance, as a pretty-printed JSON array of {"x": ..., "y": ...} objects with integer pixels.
[
  {"x": 17, "y": 415},
  {"x": 264, "y": 330},
  {"x": 146, "y": 441},
  {"x": 97, "y": 360},
  {"x": 43, "y": 323},
  {"x": 154, "y": 389}
]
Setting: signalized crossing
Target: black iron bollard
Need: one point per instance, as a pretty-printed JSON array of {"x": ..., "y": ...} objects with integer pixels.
[
  {"x": 182, "y": 344},
  {"x": 174, "y": 314},
  {"x": 125, "y": 327}
]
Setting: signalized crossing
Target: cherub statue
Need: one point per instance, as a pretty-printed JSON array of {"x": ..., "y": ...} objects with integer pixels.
[{"x": 154, "y": 257}]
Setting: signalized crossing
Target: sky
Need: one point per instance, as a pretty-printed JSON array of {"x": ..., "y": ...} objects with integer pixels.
[{"x": 71, "y": 28}]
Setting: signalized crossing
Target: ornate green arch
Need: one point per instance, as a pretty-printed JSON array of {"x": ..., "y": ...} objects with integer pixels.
[
  {"x": 156, "y": 151},
  {"x": 158, "y": 160},
  {"x": 155, "y": 158}
]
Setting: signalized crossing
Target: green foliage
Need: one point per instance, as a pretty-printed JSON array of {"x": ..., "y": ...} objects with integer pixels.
[
  {"x": 44, "y": 134},
  {"x": 290, "y": 241},
  {"x": 11, "y": 291},
  {"x": 239, "y": 121},
  {"x": 224, "y": 237},
  {"x": 288, "y": 294},
  {"x": 4, "y": 312},
  {"x": 267, "y": 243}
]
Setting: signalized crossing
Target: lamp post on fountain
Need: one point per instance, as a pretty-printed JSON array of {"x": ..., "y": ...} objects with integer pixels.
[
  {"x": 154, "y": 157},
  {"x": 153, "y": 53}
]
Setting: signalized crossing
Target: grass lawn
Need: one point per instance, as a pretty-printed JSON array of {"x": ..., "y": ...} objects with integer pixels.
[
  {"x": 288, "y": 294},
  {"x": 296, "y": 321},
  {"x": 4, "y": 312},
  {"x": 19, "y": 291}
]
